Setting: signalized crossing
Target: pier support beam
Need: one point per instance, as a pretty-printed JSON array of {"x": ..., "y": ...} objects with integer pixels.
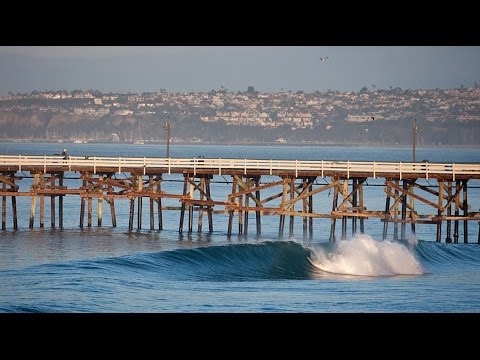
[
  {"x": 354, "y": 204},
  {"x": 334, "y": 208},
  {"x": 100, "y": 201},
  {"x": 8, "y": 179},
  {"x": 198, "y": 183},
  {"x": 257, "y": 212},
  {"x": 34, "y": 187},
  {"x": 4, "y": 207},
  {"x": 60, "y": 201},
  {"x": 151, "y": 201},
  {"x": 159, "y": 204},
  {"x": 412, "y": 207},
  {"x": 343, "y": 207},
  {"x": 52, "y": 201},
  {"x": 465, "y": 212},
  {"x": 292, "y": 208},
  {"x": 457, "y": 211},
  {"x": 281, "y": 223},
  {"x": 395, "y": 213},
  {"x": 42, "y": 201},
  {"x": 448, "y": 239},
  {"x": 404, "y": 210},
  {"x": 140, "y": 202},
  {"x": 387, "y": 210},
  {"x": 439, "y": 212}
]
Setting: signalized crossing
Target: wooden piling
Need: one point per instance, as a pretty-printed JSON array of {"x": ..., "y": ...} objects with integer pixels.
[
  {"x": 200, "y": 207},
  {"x": 82, "y": 203},
  {"x": 159, "y": 205},
  {"x": 111, "y": 202},
  {"x": 257, "y": 213},
  {"x": 60, "y": 200},
  {"x": 360, "y": 199},
  {"x": 412, "y": 208},
  {"x": 140, "y": 201},
  {"x": 334, "y": 208},
  {"x": 387, "y": 210},
  {"x": 457, "y": 211},
  {"x": 190, "y": 207},
  {"x": 292, "y": 197},
  {"x": 404, "y": 210},
  {"x": 395, "y": 213},
  {"x": 42, "y": 201},
  {"x": 4, "y": 207},
  {"x": 439, "y": 212},
  {"x": 131, "y": 213},
  {"x": 354, "y": 204},
  {"x": 89, "y": 204},
  {"x": 52, "y": 201},
  {"x": 344, "y": 218},
  {"x": 465, "y": 212},
  {"x": 182, "y": 209},
  {"x": 240, "y": 213},
  {"x": 151, "y": 200},
  {"x": 209, "y": 208},
  {"x": 247, "y": 203},
  {"x": 139, "y": 212},
  {"x": 34, "y": 201},
  {"x": 231, "y": 211},
  {"x": 14, "y": 204},
  {"x": 310, "y": 209},
  {"x": 281, "y": 223},
  {"x": 448, "y": 239},
  {"x": 304, "y": 209},
  {"x": 100, "y": 201}
]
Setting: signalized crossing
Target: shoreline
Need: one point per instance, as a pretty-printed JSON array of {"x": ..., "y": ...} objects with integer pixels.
[{"x": 184, "y": 143}]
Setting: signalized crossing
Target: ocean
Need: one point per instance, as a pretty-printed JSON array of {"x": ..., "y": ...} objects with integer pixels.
[{"x": 105, "y": 269}]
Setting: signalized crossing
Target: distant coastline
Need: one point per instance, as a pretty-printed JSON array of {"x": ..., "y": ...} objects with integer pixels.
[
  {"x": 183, "y": 143},
  {"x": 444, "y": 117}
]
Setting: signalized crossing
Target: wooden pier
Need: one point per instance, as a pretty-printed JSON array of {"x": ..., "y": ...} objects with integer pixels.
[{"x": 291, "y": 187}]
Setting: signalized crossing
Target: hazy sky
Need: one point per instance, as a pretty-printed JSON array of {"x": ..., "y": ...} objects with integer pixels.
[{"x": 203, "y": 68}]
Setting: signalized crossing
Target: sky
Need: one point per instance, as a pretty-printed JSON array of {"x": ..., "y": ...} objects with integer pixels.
[{"x": 266, "y": 68}]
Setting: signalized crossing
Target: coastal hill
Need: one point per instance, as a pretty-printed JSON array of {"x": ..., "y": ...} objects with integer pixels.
[{"x": 445, "y": 117}]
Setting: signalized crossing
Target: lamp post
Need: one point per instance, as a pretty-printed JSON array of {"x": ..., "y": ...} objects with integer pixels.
[
  {"x": 414, "y": 135},
  {"x": 167, "y": 128}
]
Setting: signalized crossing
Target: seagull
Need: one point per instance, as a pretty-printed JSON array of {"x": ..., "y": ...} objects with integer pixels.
[
  {"x": 323, "y": 59},
  {"x": 371, "y": 117}
]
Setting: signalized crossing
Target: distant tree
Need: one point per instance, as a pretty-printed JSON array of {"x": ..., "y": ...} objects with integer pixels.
[{"x": 363, "y": 90}]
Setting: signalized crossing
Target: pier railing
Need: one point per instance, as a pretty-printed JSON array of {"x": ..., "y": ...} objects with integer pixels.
[{"x": 219, "y": 165}]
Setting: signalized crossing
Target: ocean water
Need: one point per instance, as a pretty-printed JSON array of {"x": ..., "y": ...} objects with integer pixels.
[{"x": 105, "y": 269}]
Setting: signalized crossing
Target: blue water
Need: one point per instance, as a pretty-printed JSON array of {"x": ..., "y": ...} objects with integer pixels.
[{"x": 116, "y": 270}]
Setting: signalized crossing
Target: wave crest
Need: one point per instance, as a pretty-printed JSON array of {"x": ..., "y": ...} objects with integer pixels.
[{"x": 365, "y": 256}]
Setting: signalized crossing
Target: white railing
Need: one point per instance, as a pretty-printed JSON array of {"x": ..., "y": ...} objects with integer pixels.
[{"x": 370, "y": 168}]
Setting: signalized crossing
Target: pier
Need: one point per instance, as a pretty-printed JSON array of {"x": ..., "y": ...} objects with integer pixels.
[{"x": 283, "y": 188}]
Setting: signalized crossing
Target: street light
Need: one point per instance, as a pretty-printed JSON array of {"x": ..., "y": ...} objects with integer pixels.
[
  {"x": 414, "y": 135},
  {"x": 167, "y": 129}
]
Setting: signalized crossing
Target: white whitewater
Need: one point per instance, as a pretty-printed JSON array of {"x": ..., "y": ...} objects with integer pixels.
[{"x": 365, "y": 256}]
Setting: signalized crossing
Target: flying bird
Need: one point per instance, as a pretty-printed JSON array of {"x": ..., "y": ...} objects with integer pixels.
[{"x": 323, "y": 59}]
